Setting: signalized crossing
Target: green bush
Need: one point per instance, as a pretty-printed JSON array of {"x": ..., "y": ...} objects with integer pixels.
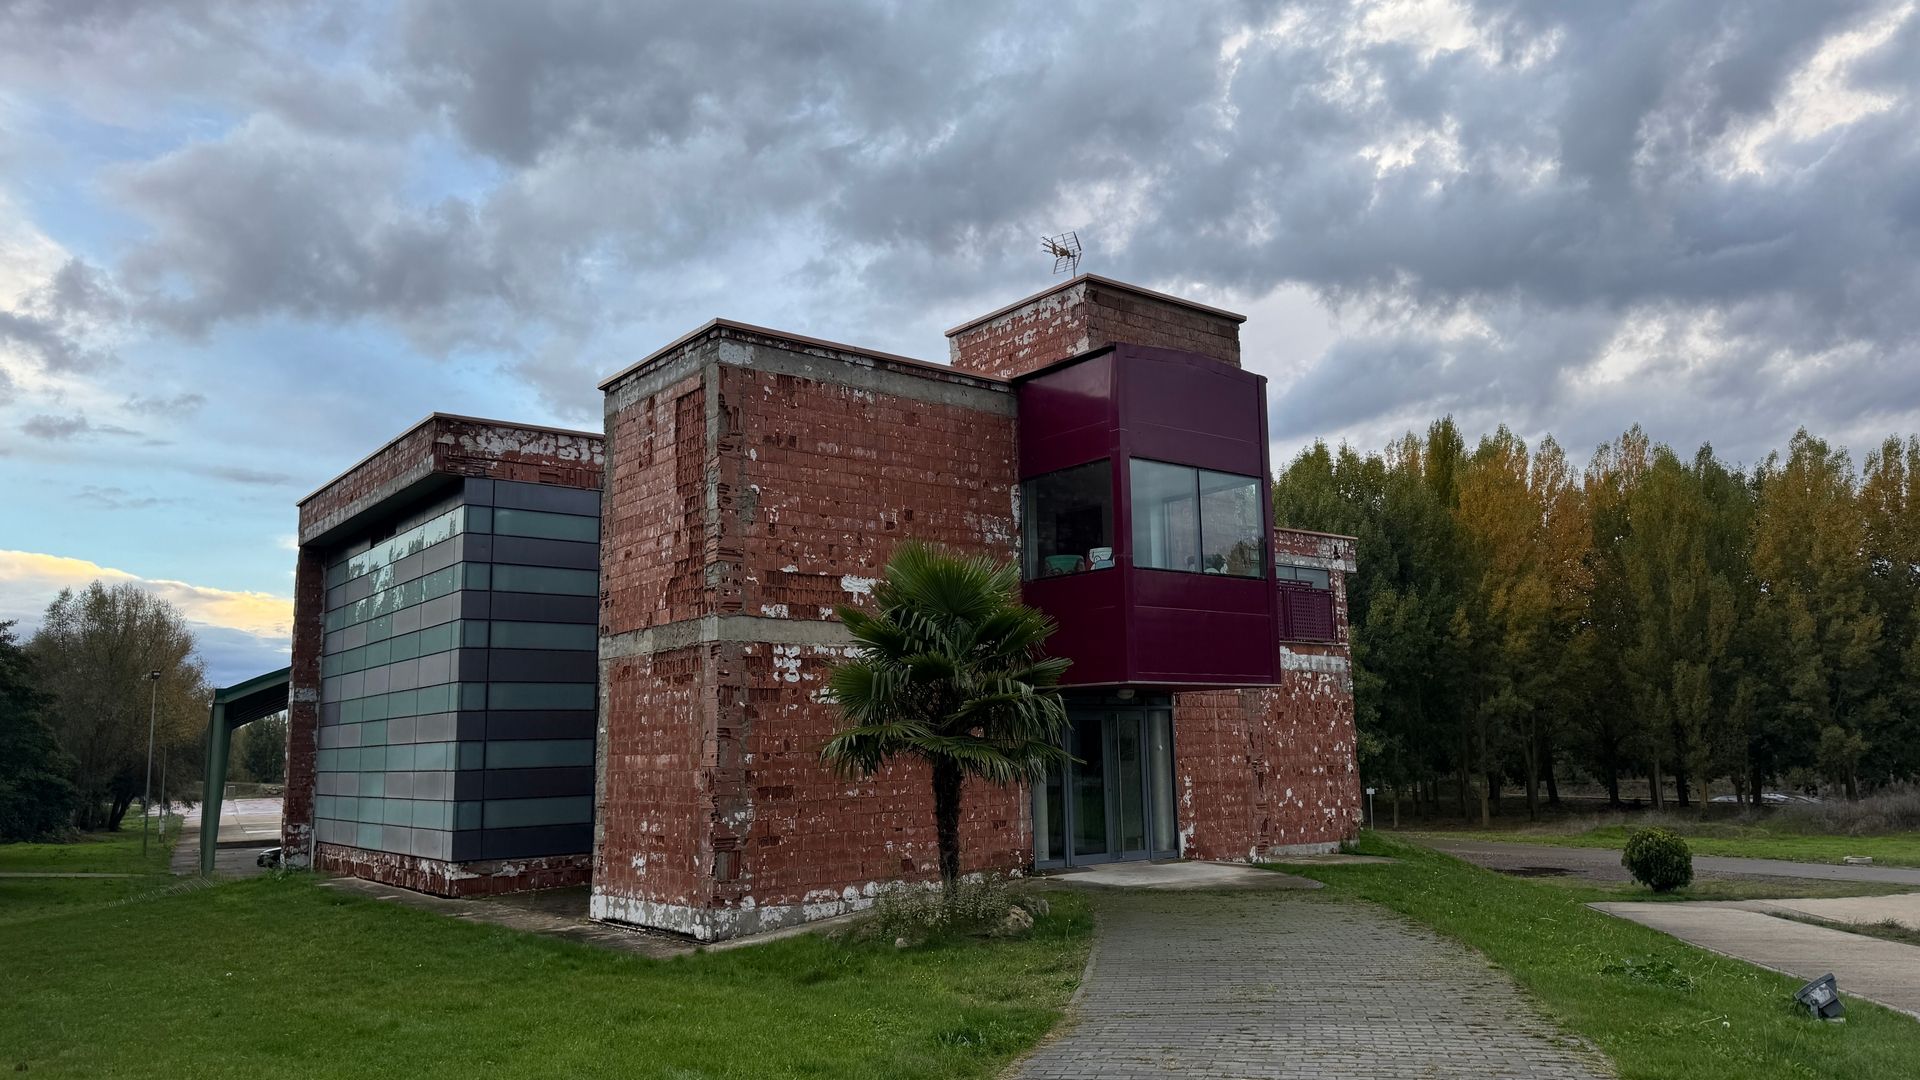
[
  {"x": 1659, "y": 859},
  {"x": 975, "y": 906}
]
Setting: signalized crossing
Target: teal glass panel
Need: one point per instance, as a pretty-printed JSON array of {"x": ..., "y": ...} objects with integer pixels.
[
  {"x": 432, "y": 756},
  {"x": 545, "y": 526},
  {"x": 545, "y": 579},
  {"x": 540, "y": 696},
  {"x": 532, "y": 635},
  {"x": 538, "y": 753},
  {"x": 522, "y": 813}
]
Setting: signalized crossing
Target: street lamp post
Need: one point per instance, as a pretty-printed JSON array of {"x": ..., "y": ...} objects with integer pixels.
[{"x": 146, "y": 797}]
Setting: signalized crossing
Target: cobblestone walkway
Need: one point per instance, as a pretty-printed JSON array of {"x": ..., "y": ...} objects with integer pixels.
[{"x": 1258, "y": 985}]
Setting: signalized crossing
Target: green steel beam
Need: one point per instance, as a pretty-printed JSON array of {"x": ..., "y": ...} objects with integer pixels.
[{"x": 219, "y": 738}]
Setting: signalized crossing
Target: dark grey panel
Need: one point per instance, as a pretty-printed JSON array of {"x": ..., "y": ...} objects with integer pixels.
[
  {"x": 377, "y": 680},
  {"x": 537, "y": 783},
  {"x": 437, "y": 668},
  {"x": 471, "y": 665},
  {"x": 471, "y": 727},
  {"x": 560, "y": 500},
  {"x": 532, "y": 551},
  {"x": 442, "y": 555},
  {"x": 407, "y": 620},
  {"x": 329, "y": 712},
  {"x": 540, "y": 840},
  {"x": 477, "y": 491},
  {"x": 435, "y": 727},
  {"x": 469, "y": 785},
  {"x": 353, "y": 637},
  {"x": 541, "y": 665},
  {"x": 405, "y": 675},
  {"x": 540, "y": 724},
  {"x": 433, "y": 785},
  {"x": 478, "y": 548},
  {"x": 400, "y": 785},
  {"x": 402, "y": 729},
  {"x": 543, "y": 607},
  {"x": 466, "y": 846}
]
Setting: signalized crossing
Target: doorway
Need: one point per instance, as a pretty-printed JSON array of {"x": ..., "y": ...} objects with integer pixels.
[{"x": 1114, "y": 801}]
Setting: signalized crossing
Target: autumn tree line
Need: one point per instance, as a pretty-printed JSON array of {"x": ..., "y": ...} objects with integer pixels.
[
  {"x": 1520, "y": 620},
  {"x": 75, "y": 705}
]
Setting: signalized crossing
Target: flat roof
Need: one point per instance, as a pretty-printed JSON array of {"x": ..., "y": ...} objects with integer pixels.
[
  {"x": 712, "y": 325},
  {"x": 430, "y": 418},
  {"x": 1096, "y": 279}
]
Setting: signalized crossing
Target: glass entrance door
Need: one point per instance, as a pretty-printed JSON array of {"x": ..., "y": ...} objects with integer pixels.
[{"x": 1114, "y": 800}]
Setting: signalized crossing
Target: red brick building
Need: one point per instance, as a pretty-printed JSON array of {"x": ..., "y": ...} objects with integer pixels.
[{"x": 1101, "y": 434}]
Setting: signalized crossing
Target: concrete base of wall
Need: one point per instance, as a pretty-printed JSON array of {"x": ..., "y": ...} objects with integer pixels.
[{"x": 455, "y": 879}]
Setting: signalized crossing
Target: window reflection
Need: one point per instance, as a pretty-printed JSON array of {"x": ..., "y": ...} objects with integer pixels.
[
  {"x": 1196, "y": 520},
  {"x": 1068, "y": 518}
]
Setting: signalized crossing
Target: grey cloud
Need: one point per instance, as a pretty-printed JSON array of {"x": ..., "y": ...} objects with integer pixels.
[
  {"x": 242, "y": 475},
  {"x": 166, "y": 404},
  {"x": 613, "y": 165},
  {"x": 66, "y": 428},
  {"x": 119, "y": 498}
]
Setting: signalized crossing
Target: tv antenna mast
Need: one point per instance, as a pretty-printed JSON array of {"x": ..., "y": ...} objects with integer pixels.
[{"x": 1065, "y": 249}]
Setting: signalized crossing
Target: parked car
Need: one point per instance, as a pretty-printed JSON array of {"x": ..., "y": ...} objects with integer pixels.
[
  {"x": 1771, "y": 798},
  {"x": 268, "y": 858}
]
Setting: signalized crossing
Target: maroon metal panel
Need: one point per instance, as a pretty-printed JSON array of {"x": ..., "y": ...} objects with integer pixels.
[
  {"x": 1147, "y": 627},
  {"x": 1066, "y": 415},
  {"x": 1092, "y": 621}
]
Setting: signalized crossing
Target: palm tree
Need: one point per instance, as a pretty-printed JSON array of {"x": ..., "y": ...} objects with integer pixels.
[{"x": 949, "y": 669}]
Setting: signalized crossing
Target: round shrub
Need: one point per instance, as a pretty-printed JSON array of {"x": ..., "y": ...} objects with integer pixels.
[{"x": 1659, "y": 859}]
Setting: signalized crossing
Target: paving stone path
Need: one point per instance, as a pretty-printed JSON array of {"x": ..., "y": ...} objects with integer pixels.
[{"x": 1259, "y": 985}]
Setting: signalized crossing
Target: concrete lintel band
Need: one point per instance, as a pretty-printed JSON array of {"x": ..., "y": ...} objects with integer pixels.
[
  {"x": 868, "y": 375},
  {"x": 1288, "y": 558},
  {"x": 715, "y": 629}
]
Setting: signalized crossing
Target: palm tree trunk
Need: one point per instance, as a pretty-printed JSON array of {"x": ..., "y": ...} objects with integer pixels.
[{"x": 946, "y": 817}]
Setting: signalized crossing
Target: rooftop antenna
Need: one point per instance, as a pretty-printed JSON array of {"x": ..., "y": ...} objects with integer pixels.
[{"x": 1065, "y": 250}]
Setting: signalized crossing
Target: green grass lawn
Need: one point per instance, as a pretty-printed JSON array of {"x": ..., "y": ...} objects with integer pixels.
[
  {"x": 94, "y": 853},
  {"x": 1587, "y": 891},
  {"x": 1661, "y": 1009},
  {"x": 23, "y": 899},
  {"x": 280, "y": 977},
  {"x": 1711, "y": 838}
]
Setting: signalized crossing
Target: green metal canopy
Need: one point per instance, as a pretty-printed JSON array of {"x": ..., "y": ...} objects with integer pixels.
[{"x": 233, "y": 706}]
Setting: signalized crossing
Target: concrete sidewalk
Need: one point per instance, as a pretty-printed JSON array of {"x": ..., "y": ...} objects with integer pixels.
[
  {"x": 1603, "y": 864},
  {"x": 1882, "y": 971},
  {"x": 1265, "y": 984}
]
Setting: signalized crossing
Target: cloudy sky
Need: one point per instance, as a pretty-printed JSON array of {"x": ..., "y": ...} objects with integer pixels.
[{"x": 221, "y": 221}]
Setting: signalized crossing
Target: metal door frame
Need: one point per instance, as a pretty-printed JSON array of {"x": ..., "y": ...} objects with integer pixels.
[{"x": 1110, "y": 715}]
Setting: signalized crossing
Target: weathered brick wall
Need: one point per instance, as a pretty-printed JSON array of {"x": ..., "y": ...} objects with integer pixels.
[
  {"x": 779, "y": 474},
  {"x": 823, "y": 479},
  {"x": 1274, "y": 769},
  {"x": 440, "y": 444},
  {"x": 303, "y": 707},
  {"x": 455, "y": 445},
  {"x": 1086, "y": 313},
  {"x": 652, "y": 856},
  {"x": 454, "y": 879}
]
